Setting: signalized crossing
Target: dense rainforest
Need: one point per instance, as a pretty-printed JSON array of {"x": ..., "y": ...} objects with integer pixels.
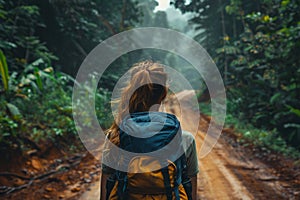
[{"x": 255, "y": 45}]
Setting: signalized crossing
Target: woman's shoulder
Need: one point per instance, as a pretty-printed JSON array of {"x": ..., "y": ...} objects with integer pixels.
[
  {"x": 188, "y": 140},
  {"x": 187, "y": 135}
]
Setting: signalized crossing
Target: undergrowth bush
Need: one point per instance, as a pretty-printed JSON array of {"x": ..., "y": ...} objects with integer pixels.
[
  {"x": 268, "y": 140},
  {"x": 38, "y": 107}
]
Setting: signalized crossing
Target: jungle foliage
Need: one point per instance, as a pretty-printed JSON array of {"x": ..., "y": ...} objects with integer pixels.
[
  {"x": 256, "y": 45},
  {"x": 42, "y": 44}
]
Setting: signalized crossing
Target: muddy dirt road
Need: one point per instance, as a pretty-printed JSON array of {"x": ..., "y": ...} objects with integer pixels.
[{"x": 227, "y": 172}]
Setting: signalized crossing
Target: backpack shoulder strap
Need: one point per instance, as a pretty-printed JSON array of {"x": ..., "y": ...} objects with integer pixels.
[
  {"x": 122, "y": 185},
  {"x": 167, "y": 182},
  {"x": 186, "y": 181}
]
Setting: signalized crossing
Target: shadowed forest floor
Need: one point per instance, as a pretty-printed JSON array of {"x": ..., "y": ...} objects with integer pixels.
[{"x": 229, "y": 171}]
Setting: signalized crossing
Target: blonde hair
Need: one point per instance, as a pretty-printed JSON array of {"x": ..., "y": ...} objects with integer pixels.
[{"x": 146, "y": 87}]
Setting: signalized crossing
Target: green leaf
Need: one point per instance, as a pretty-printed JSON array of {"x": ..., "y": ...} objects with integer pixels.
[
  {"x": 294, "y": 110},
  {"x": 31, "y": 10},
  {"x": 4, "y": 70},
  {"x": 13, "y": 110},
  {"x": 275, "y": 97},
  {"x": 47, "y": 75},
  {"x": 34, "y": 64},
  {"x": 38, "y": 78},
  {"x": 284, "y": 3},
  {"x": 291, "y": 125},
  {"x": 34, "y": 86}
]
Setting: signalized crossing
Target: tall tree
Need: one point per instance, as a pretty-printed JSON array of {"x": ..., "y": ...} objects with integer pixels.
[
  {"x": 68, "y": 28},
  {"x": 78, "y": 26}
]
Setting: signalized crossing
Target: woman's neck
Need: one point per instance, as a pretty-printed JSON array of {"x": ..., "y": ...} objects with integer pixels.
[{"x": 154, "y": 107}]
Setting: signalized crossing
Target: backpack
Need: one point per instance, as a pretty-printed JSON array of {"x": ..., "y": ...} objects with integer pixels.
[{"x": 169, "y": 180}]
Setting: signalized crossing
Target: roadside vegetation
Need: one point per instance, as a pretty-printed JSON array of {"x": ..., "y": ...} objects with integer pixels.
[
  {"x": 255, "y": 45},
  {"x": 248, "y": 135}
]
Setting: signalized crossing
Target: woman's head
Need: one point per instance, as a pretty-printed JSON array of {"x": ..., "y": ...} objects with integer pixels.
[{"x": 147, "y": 87}]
